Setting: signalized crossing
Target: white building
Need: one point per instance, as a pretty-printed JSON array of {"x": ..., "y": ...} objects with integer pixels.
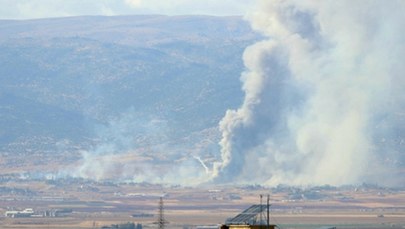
[{"x": 28, "y": 212}]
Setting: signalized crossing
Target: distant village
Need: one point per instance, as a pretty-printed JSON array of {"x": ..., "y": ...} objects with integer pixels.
[
  {"x": 29, "y": 198},
  {"x": 29, "y": 212}
]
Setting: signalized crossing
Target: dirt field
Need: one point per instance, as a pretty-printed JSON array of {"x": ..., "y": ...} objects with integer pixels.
[{"x": 96, "y": 204}]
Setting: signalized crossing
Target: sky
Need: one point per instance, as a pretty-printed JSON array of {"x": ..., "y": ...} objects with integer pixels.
[{"x": 30, "y": 9}]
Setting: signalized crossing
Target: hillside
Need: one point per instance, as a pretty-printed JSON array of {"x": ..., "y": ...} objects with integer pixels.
[{"x": 129, "y": 82}]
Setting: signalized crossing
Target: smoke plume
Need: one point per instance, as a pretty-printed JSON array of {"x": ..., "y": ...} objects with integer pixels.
[
  {"x": 134, "y": 147},
  {"x": 324, "y": 101}
]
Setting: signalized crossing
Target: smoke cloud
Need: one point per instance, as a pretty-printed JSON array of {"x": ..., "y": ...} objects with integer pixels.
[
  {"x": 138, "y": 148},
  {"x": 324, "y": 104},
  {"x": 324, "y": 101}
]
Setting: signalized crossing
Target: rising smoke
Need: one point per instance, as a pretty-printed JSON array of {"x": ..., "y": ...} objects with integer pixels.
[
  {"x": 324, "y": 104},
  {"x": 324, "y": 100},
  {"x": 136, "y": 148}
]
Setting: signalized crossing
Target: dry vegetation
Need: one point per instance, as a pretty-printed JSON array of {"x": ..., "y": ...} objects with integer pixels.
[{"x": 95, "y": 204}]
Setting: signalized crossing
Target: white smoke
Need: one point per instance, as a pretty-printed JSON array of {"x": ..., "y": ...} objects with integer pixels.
[
  {"x": 136, "y": 148},
  {"x": 320, "y": 93}
]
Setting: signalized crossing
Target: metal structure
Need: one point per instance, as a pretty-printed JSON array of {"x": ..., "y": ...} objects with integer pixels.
[
  {"x": 248, "y": 216},
  {"x": 161, "y": 218},
  {"x": 268, "y": 211},
  {"x": 254, "y": 215}
]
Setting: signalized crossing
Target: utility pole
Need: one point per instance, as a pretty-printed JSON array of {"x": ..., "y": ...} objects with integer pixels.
[
  {"x": 161, "y": 220},
  {"x": 268, "y": 211},
  {"x": 261, "y": 210}
]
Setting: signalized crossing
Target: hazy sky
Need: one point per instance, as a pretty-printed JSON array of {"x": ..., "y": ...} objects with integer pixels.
[{"x": 26, "y": 9}]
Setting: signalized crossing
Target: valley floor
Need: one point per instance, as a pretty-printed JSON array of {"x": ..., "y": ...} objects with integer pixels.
[{"x": 88, "y": 204}]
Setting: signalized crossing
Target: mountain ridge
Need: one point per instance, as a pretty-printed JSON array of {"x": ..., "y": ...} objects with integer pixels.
[{"x": 127, "y": 81}]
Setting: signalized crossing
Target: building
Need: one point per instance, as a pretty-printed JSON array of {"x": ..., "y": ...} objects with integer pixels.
[{"x": 28, "y": 212}]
